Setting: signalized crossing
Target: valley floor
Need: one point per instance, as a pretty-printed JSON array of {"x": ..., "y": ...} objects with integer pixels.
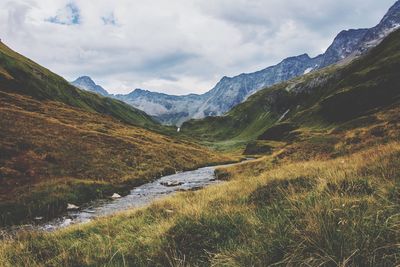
[{"x": 337, "y": 206}]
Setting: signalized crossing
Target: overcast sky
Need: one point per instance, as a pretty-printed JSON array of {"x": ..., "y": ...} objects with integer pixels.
[{"x": 175, "y": 46}]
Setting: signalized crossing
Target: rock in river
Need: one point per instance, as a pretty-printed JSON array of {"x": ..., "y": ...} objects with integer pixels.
[
  {"x": 72, "y": 207},
  {"x": 115, "y": 195},
  {"x": 171, "y": 183}
]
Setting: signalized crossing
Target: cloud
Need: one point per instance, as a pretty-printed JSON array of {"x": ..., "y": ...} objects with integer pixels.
[
  {"x": 69, "y": 15},
  {"x": 175, "y": 46}
]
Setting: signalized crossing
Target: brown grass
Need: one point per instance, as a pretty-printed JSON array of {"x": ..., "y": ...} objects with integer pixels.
[
  {"x": 43, "y": 144},
  {"x": 338, "y": 209}
]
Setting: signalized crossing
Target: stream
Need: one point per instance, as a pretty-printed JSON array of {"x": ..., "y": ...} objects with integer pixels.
[{"x": 138, "y": 197}]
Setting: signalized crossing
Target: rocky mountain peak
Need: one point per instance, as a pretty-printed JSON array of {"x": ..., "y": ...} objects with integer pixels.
[
  {"x": 393, "y": 15},
  {"x": 86, "y": 83},
  {"x": 389, "y": 23},
  {"x": 85, "y": 80}
]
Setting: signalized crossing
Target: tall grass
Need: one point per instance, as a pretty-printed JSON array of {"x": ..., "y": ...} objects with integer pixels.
[
  {"x": 337, "y": 212},
  {"x": 52, "y": 154}
]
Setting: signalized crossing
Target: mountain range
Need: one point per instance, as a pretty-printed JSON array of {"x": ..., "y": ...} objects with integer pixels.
[
  {"x": 326, "y": 97},
  {"x": 231, "y": 91},
  {"x": 320, "y": 186}
]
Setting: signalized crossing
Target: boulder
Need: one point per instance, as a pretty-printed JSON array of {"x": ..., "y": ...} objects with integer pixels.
[
  {"x": 115, "y": 195},
  {"x": 72, "y": 207},
  {"x": 171, "y": 183}
]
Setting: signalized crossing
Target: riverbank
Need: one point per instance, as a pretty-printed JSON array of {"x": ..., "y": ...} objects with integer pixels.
[
  {"x": 137, "y": 197},
  {"x": 84, "y": 192},
  {"x": 324, "y": 211}
]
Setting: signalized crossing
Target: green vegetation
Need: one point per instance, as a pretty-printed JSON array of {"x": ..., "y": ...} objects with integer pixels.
[
  {"x": 60, "y": 145},
  {"x": 52, "y": 154},
  {"x": 324, "y": 192},
  {"x": 334, "y": 207},
  {"x": 316, "y": 100},
  {"x": 20, "y": 75}
]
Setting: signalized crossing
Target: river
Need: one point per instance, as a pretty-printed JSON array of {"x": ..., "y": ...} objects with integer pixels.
[{"x": 138, "y": 197}]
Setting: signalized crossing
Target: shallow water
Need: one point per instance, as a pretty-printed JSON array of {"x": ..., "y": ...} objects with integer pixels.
[{"x": 139, "y": 196}]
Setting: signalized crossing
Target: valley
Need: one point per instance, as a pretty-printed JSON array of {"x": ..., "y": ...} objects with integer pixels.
[
  {"x": 295, "y": 165},
  {"x": 76, "y": 146}
]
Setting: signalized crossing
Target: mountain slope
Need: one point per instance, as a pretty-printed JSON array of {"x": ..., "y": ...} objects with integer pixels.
[
  {"x": 61, "y": 145},
  {"x": 325, "y": 193},
  {"x": 21, "y": 75},
  {"x": 324, "y": 97},
  {"x": 230, "y": 91}
]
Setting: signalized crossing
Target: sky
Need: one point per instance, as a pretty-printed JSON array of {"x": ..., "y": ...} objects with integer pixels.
[{"x": 175, "y": 46}]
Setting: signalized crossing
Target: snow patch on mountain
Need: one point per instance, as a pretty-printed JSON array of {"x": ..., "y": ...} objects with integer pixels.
[{"x": 308, "y": 70}]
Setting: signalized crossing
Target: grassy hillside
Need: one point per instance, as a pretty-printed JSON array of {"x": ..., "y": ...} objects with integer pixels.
[
  {"x": 319, "y": 99},
  {"x": 326, "y": 191},
  {"x": 51, "y": 154},
  {"x": 59, "y": 144},
  {"x": 20, "y": 75},
  {"x": 329, "y": 199}
]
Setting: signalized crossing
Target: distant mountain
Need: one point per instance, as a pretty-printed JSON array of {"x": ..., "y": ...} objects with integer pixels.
[
  {"x": 347, "y": 45},
  {"x": 375, "y": 35},
  {"x": 231, "y": 91},
  {"x": 329, "y": 96},
  {"x": 169, "y": 109},
  {"x": 86, "y": 83}
]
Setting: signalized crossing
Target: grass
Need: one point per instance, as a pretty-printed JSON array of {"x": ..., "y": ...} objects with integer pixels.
[
  {"x": 334, "y": 212},
  {"x": 326, "y": 191},
  {"x": 329, "y": 198},
  {"x": 20, "y": 75},
  {"x": 320, "y": 99},
  {"x": 60, "y": 144},
  {"x": 52, "y": 154}
]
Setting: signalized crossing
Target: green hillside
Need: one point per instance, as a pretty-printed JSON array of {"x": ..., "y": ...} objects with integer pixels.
[
  {"x": 59, "y": 144},
  {"x": 19, "y": 74},
  {"x": 321, "y": 98},
  {"x": 325, "y": 191}
]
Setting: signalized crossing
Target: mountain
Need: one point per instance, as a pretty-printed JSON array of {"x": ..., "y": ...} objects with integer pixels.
[
  {"x": 168, "y": 109},
  {"x": 389, "y": 23},
  {"x": 230, "y": 91},
  {"x": 86, "y": 83},
  {"x": 326, "y": 191},
  {"x": 60, "y": 144},
  {"x": 326, "y": 97}
]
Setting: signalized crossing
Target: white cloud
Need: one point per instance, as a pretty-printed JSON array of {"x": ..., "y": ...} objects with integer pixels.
[{"x": 175, "y": 46}]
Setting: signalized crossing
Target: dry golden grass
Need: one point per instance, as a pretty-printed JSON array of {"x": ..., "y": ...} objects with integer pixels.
[
  {"x": 51, "y": 154},
  {"x": 336, "y": 212}
]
